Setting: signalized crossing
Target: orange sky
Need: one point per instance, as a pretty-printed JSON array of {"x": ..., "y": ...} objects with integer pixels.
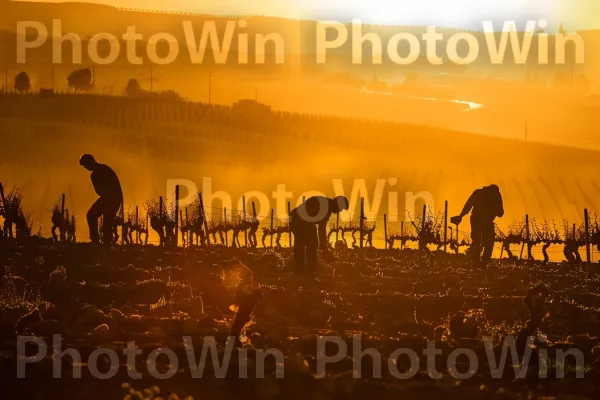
[{"x": 575, "y": 14}]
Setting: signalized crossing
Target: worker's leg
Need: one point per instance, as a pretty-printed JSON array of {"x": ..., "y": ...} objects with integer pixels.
[
  {"x": 488, "y": 237},
  {"x": 300, "y": 249},
  {"x": 312, "y": 248},
  {"x": 107, "y": 229},
  {"x": 95, "y": 212},
  {"x": 111, "y": 208},
  {"x": 115, "y": 233},
  {"x": 476, "y": 238}
]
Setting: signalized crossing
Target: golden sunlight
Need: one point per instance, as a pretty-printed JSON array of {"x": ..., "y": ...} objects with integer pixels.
[{"x": 452, "y": 13}]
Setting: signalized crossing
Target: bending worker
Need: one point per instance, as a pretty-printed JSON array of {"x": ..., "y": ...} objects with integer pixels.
[
  {"x": 308, "y": 223},
  {"x": 107, "y": 186},
  {"x": 486, "y": 204}
]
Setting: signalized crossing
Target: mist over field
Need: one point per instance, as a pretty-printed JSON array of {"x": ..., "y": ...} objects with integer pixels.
[{"x": 149, "y": 143}]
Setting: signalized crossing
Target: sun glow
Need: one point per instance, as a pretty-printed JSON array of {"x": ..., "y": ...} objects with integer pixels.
[{"x": 449, "y": 12}]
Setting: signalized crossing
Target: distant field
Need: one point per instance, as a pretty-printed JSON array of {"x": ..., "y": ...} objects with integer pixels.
[
  {"x": 556, "y": 111},
  {"x": 148, "y": 142}
]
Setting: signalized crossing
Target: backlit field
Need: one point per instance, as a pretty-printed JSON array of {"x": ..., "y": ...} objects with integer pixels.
[{"x": 149, "y": 142}]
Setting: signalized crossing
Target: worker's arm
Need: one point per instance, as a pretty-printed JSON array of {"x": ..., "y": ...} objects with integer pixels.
[
  {"x": 98, "y": 183},
  {"x": 466, "y": 209},
  {"x": 468, "y": 205},
  {"x": 323, "y": 245},
  {"x": 500, "y": 207}
]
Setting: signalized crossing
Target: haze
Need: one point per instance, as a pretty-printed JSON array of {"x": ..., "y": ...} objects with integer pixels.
[{"x": 576, "y": 14}]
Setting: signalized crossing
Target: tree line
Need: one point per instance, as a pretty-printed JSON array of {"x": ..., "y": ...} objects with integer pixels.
[{"x": 82, "y": 80}]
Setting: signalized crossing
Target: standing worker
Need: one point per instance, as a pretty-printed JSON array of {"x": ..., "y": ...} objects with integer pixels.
[
  {"x": 107, "y": 186},
  {"x": 308, "y": 223},
  {"x": 486, "y": 204}
]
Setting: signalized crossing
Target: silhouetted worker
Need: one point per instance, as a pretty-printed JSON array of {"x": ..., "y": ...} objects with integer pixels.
[
  {"x": 107, "y": 186},
  {"x": 487, "y": 205},
  {"x": 308, "y": 223}
]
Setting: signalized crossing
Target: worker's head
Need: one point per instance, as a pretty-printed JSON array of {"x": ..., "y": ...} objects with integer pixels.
[
  {"x": 494, "y": 188},
  {"x": 88, "y": 162},
  {"x": 340, "y": 204}
]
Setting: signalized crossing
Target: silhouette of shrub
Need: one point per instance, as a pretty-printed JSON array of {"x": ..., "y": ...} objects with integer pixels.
[
  {"x": 80, "y": 80},
  {"x": 22, "y": 83},
  {"x": 133, "y": 88}
]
